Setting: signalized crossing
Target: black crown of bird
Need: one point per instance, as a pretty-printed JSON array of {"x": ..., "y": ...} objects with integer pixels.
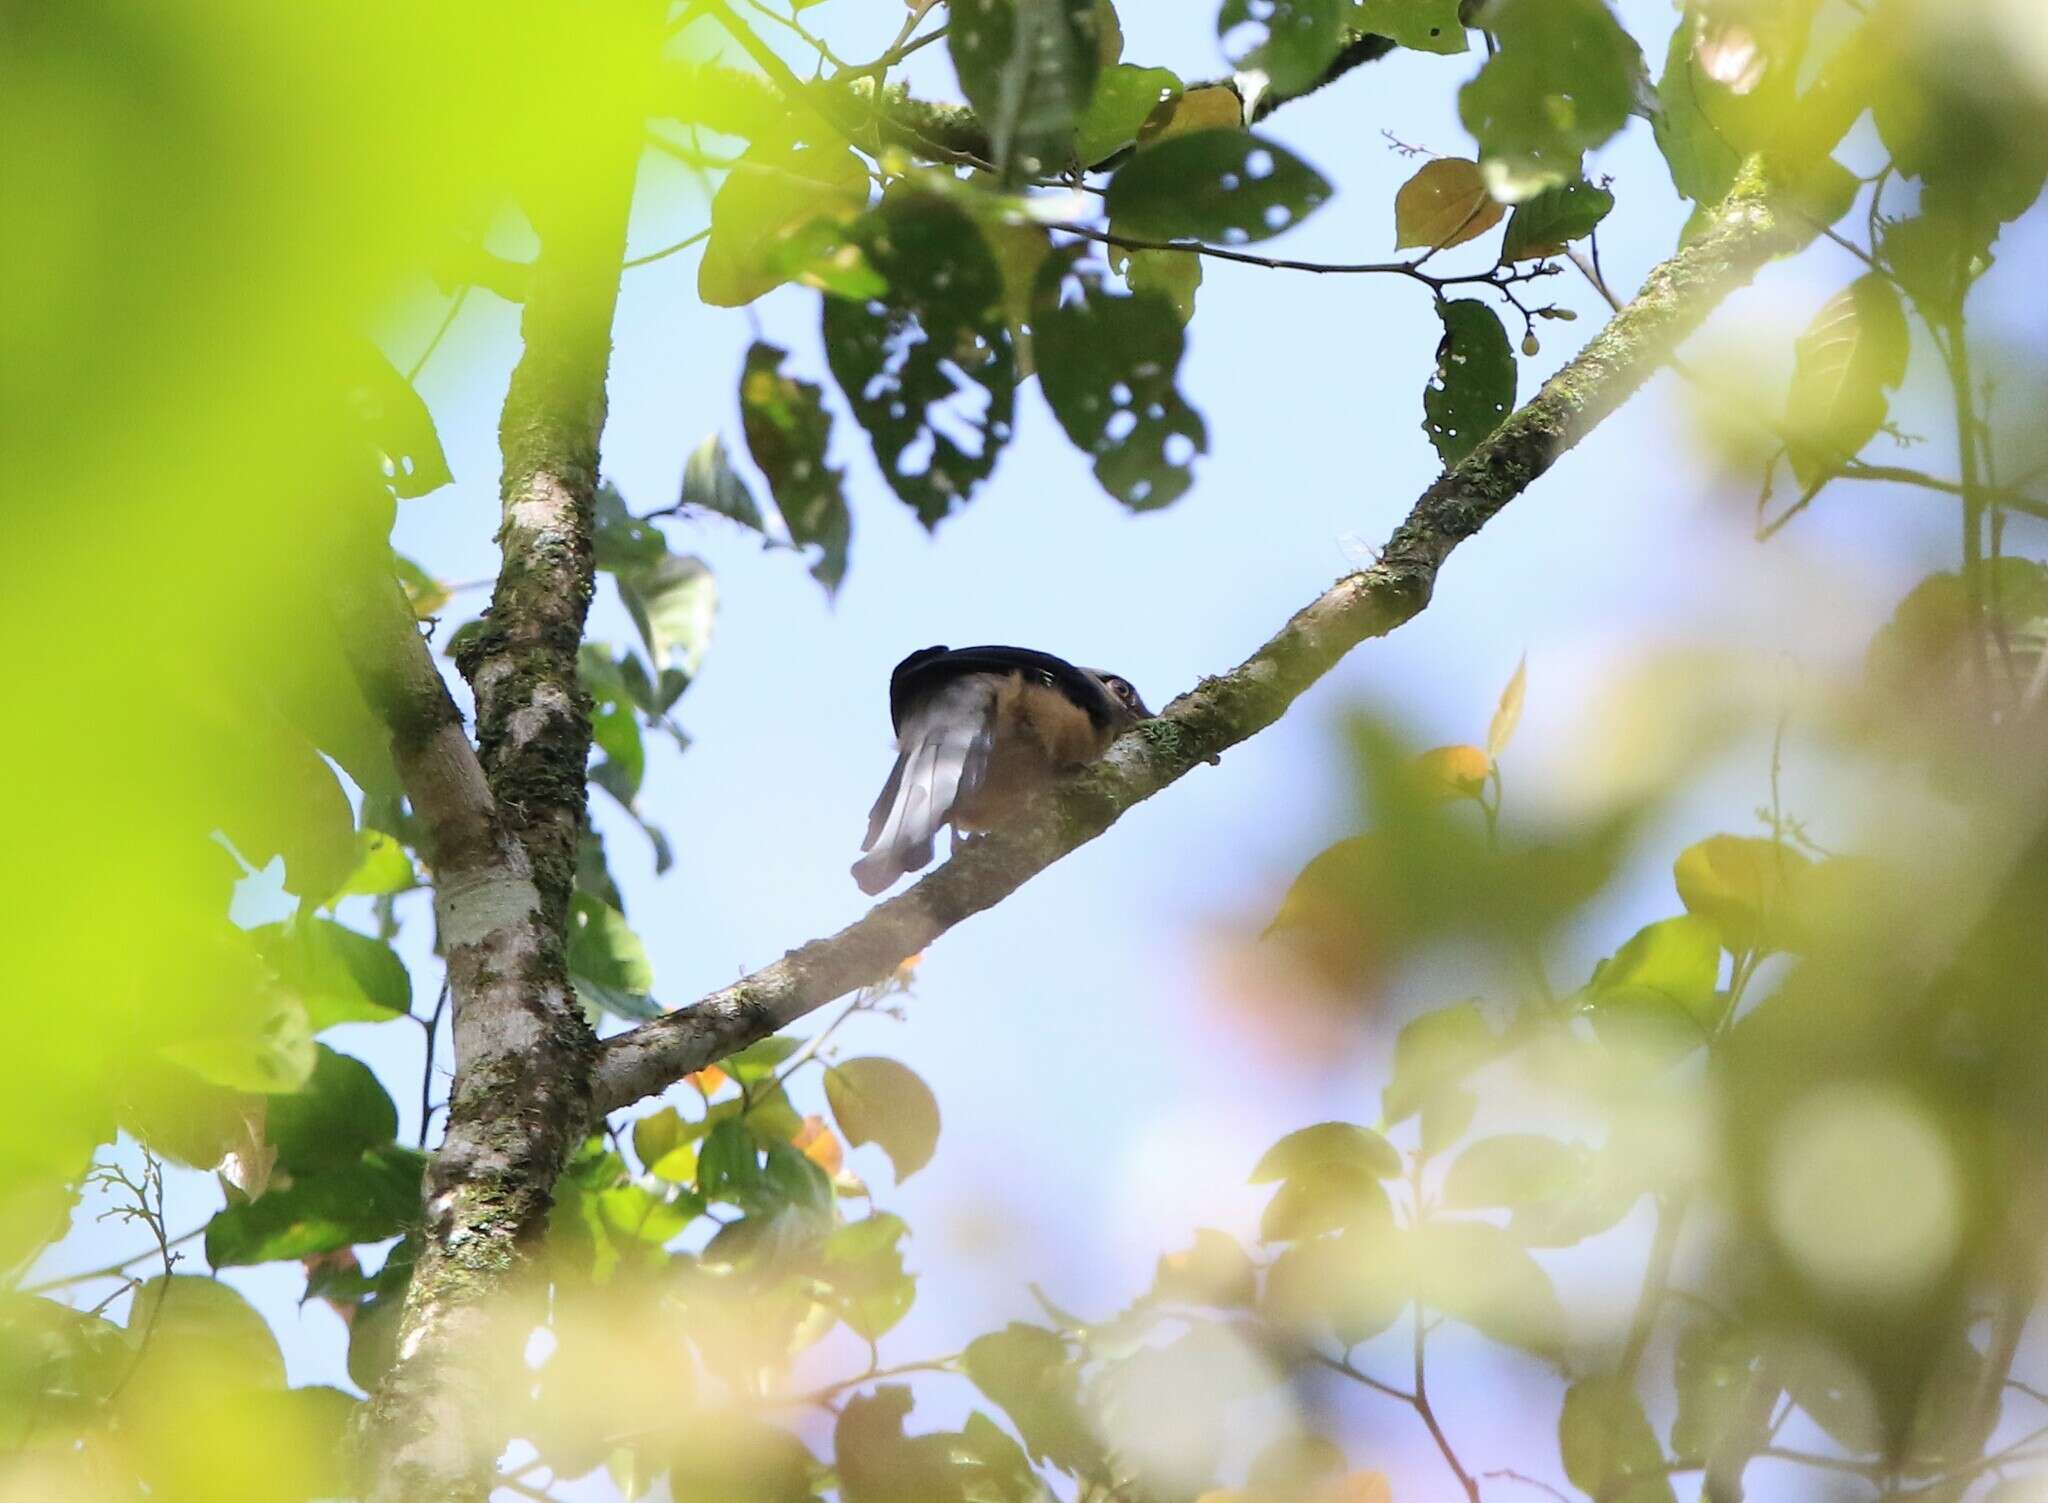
[{"x": 978, "y": 730}]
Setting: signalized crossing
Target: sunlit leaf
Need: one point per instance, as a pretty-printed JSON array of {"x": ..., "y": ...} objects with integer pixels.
[
  {"x": 772, "y": 194},
  {"x": 607, "y": 962},
  {"x": 339, "y": 975},
  {"x": 882, "y": 1101},
  {"x": 1546, "y": 224},
  {"x": 1290, "y": 41},
  {"x": 1473, "y": 388},
  {"x": 1476, "y": 1273},
  {"x": 1852, "y": 353},
  {"x": 1173, "y": 274},
  {"x": 1560, "y": 84},
  {"x": 1609, "y": 1449},
  {"x": 1222, "y": 185},
  {"x": 673, "y": 601},
  {"x": 202, "y": 1327},
  {"x": 1435, "y": 1051},
  {"x": 1125, "y": 97},
  {"x": 1421, "y": 25},
  {"x": 1453, "y": 772},
  {"x": 666, "y": 1147},
  {"x": 1107, "y": 366},
  {"x": 1508, "y": 714},
  {"x": 1740, "y": 885},
  {"x": 1444, "y": 204},
  {"x": 1211, "y": 107},
  {"x": 1026, "y": 1371},
  {"x": 1355, "y": 1283},
  {"x": 1325, "y": 1197},
  {"x": 1511, "y": 1170},
  {"x": 928, "y": 368},
  {"x": 1662, "y": 982},
  {"x": 1340, "y": 1143},
  {"x": 265, "y": 1045},
  {"x": 383, "y": 867},
  {"x": 1213, "y": 1271}
]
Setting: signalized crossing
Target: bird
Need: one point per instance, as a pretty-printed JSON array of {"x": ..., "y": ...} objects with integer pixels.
[{"x": 978, "y": 730}]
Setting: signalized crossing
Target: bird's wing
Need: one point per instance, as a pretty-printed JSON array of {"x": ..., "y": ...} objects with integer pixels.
[{"x": 942, "y": 755}]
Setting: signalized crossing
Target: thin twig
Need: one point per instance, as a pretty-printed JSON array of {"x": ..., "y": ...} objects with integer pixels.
[
  {"x": 431, "y": 1025},
  {"x": 447, "y": 321},
  {"x": 1509, "y": 1474},
  {"x": 1490, "y": 277},
  {"x": 109, "y": 1270},
  {"x": 668, "y": 250}
]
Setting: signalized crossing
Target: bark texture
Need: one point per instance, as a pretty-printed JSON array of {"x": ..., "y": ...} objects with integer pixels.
[
  {"x": 523, "y": 1051},
  {"x": 1220, "y": 712}
]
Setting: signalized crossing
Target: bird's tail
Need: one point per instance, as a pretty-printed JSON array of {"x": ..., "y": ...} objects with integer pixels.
[{"x": 942, "y": 755}]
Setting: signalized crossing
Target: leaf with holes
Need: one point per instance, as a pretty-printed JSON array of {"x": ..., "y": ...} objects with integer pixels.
[
  {"x": 1419, "y": 25},
  {"x": 1210, "y": 107},
  {"x": 881, "y": 1101},
  {"x": 1107, "y": 367},
  {"x": 1223, "y": 185},
  {"x": 1473, "y": 389},
  {"x": 1290, "y": 41},
  {"x": 1028, "y": 68},
  {"x": 1444, "y": 204},
  {"x": 1561, "y": 84},
  {"x": 1852, "y": 353},
  {"x": 1547, "y": 223},
  {"x": 788, "y": 431},
  {"x": 1175, "y": 275},
  {"x": 1125, "y": 97},
  {"x": 396, "y": 423},
  {"x": 768, "y": 199},
  {"x": 928, "y": 367}
]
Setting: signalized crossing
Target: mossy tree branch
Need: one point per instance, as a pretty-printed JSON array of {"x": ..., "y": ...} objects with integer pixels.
[{"x": 1219, "y": 713}]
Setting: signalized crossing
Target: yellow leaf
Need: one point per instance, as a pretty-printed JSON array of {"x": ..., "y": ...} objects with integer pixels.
[
  {"x": 1212, "y": 108},
  {"x": 1740, "y": 884},
  {"x": 708, "y": 1079},
  {"x": 1357, "y": 1487},
  {"x": 1448, "y": 772},
  {"x": 1446, "y": 203},
  {"x": 817, "y": 1142},
  {"x": 1508, "y": 714}
]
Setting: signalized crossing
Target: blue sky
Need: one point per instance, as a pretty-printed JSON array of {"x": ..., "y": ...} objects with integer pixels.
[{"x": 1097, "y": 1103}]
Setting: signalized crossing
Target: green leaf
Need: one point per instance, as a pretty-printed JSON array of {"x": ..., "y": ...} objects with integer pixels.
[
  {"x": 877, "y": 1463},
  {"x": 1546, "y": 224},
  {"x": 1433, "y": 1052},
  {"x": 642, "y": 1215},
  {"x": 341, "y": 976},
  {"x": 1325, "y": 1197},
  {"x": 1124, "y": 97},
  {"x": 1661, "y": 982},
  {"x": 761, "y": 1059},
  {"x": 1609, "y": 1450},
  {"x": 382, "y": 866},
  {"x": 863, "y": 1263},
  {"x": 1214, "y": 1271},
  {"x": 1028, "y": 67},
  {"x": 1174, "y": 274},
  {"x": 666, "y": 1146},
  {"x": 1107, "y": 366},
  {"x": 1421, "y": 25},
  {"x": 262, "y": 1044},
  {"x": 672, "y": 601},
  {"x": 373, "y": 1340},
  {"x": 1026, "y": 1371},
  {"x": 928, "y": 368},
  {"x": 1511, "y": 1170},
  {"x": 341, "y": 1110},
  {"x": 881, "y": 1101},
  {"x": 614, "y": 727},
  {"x": 709, "y": 484},
  {"x": 397, "y": 424},
  {"x": 1741, "y": 885},
  {"x": 375, "y": 1197},
  {"x": 1223, "y": 185},
  {"x": 1561, "y": 83},
  {"x": 1473, "y": 389},
  {"x": 607, "y": 962},
  {"x": 1852, "y": 353},
  {"x": 1341, "y": 1143},
  {"x": 1290, "y": 41},
  {"x": 765, "y": 202},
  {"x": 1476, "y": 1273},
  {"x": 201, "y": 1322},
  {"x": 1725, "y": 1396},
  {"x": 788, "y": 432},
  {"x": 728, "y": 1163},
  {"x": 794, "y": 1180},
  {"x": 622, "y": 540},
  {"x": 1444, "y": 204}
]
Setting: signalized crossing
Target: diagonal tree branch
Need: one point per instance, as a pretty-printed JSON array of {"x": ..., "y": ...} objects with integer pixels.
[{"x": 1220, "y": 712}]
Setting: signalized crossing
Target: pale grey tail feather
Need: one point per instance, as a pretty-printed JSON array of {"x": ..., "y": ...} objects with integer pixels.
[{"x": 942, "y": 755}]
